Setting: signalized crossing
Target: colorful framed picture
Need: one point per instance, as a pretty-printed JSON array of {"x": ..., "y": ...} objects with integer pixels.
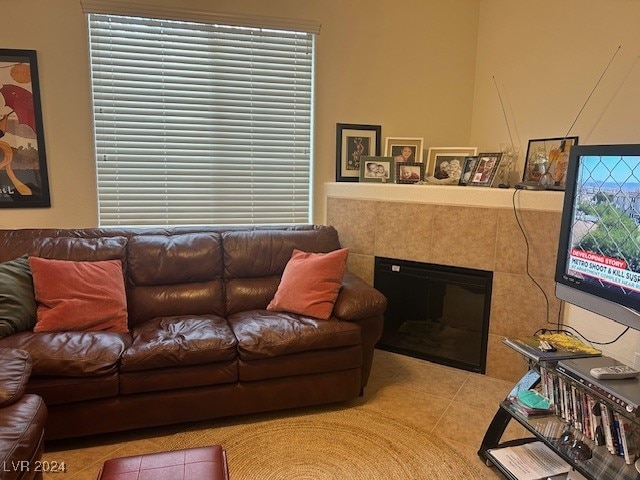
[
  {"x": 446, "y": 162},
  {"x": 404, "y": 149},
  {"x": 23, "y": 167},
  {"x": 548, "y": 155},
  {"x": 352, "y": 142},
  {"x": 468, "y": 166},
  {"x": 377, "y": 169},
  {"x": 409, "y": 172},
  {"x": 485, "y": 169}
]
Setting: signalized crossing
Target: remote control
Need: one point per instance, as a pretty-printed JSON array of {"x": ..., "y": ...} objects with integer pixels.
[{"x": 614, "y": 372}]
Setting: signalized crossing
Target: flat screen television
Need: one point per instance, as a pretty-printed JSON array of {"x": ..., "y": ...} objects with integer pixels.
[{"x": 598, "y": 263}]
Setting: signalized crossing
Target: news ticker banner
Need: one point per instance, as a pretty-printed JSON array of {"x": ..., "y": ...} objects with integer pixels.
[{"x": 601, "y": 267}]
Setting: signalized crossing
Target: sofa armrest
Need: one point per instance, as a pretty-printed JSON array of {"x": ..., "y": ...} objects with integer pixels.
[
  {"x": 14, "y": 374},
  {"x": 357, "y": 299}
]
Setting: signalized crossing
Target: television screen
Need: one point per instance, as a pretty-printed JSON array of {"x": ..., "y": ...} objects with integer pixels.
[{"x": 599, "y": 252}]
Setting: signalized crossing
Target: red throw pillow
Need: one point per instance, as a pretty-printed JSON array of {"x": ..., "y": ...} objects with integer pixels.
[
  {"x": 79, "y": 296},
  {"x": 310, "y": 283}
]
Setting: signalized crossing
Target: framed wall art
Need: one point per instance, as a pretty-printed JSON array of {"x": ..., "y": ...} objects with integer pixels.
[
  {"x": 377, "y": 169},
  {"x": 409, "y": 172},
  {"x": 468, "y": 166},
  {"x": 352, "y": 142},
  {"x": 23, "y": 168},
  {"x": 548, "y": 155},
  {"x": 447, "y": 162},
  {"x": 485, "y": 169},
  {"x": 404, "y": 149}
]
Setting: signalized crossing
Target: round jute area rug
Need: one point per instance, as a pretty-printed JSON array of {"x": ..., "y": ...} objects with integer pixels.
[{"x": 344, "y": 444}]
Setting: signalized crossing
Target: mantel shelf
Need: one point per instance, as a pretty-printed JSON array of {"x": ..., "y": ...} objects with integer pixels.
[{"x": 449, "y": 195}]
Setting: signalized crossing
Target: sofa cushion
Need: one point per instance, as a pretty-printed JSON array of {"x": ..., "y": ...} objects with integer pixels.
[
  {"x": 79, "y": 296},
  {"x": 310, "y": 283},
  {"x": 265, "y": 253},
  {"x": 80, "y": 248},
  {"x": 171, "y": 275},
  {"x": 178, "y": 341},
  {"x": 73, "y": 354},
  {"x": 264, "y": 334},
  {"x": 65, "y": 390},
  {"x": 304, "y": 363},
  {"x": 17, "y": 302},
  {"x": 14, "y": 374},
  {"x": 179, "y": 377}
]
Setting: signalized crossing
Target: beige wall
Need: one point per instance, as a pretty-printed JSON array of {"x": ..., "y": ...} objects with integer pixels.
[
  {"x": 407, "y": 65},
  {"x": 546, "y": 57}
]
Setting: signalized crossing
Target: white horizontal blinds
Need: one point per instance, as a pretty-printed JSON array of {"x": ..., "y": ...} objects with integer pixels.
[{"x": 199, "y": 123}]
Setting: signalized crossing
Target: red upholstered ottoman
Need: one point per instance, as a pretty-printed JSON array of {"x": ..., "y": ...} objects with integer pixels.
[{"x": 204, "y": 463}]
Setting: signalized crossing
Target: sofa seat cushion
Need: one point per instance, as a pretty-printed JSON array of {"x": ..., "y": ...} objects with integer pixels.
[
  {"x": 305, "y": 363},
  {"x": 178, "y": 341},
  {"x": 179, "y": 377},
  {"x": 22, "y": 425},
  {"x": 263, "y": 334},
  {"x": 61, "y": 390},
  {"x": 71, "y": 354}
]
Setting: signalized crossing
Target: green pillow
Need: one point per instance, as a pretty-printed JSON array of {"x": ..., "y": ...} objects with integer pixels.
[{"x": 17, "y": 300}]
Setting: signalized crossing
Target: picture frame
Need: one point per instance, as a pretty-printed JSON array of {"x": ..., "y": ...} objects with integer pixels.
[
  {"x": 485, "y": 169},
  {"x": 409, "y": 172},
  {"x": 404, "y": 149},
  {"x": 447, "y": 162},
  {"x": 24, "y": 181},
  {"x": 467, "y": 169},
  {"x": 556, "y": 152},
  {"x": 376, "y": 169},
  {"x": 352, "y": 142}
]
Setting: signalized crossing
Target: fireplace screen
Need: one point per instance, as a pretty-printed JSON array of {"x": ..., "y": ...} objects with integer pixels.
[{"x": 435, "y": 312}]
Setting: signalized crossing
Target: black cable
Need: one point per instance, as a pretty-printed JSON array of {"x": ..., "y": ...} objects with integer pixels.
[
  {"x": 526, "y": 241},
  {"x": 567, "y": 332}
]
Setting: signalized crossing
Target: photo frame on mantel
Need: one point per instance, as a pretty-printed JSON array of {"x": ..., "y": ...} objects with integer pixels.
[
  {"x": 551, "y": 154},
  {"x": 404, "y": 149},
  {"x": 485, "y": 169},
  {"x": 24, "y": 182},
  {"x": 445, "y": 163},
  {"x": 354, "y": 141}
]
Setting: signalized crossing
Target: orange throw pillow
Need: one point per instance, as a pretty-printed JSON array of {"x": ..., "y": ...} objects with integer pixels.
[
  {"x": 79, "y": 296},
  {"x": 310, "y": 283}
]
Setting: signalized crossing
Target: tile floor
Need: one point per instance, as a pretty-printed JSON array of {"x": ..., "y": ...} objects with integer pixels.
[{"x": 454, "y": 404}]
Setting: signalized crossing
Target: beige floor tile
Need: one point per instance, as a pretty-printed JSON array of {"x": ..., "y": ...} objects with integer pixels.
[
  {"x": 465, "y": 424},
  {"x": 430, "y": 378},
  {"x": 482, "y": 391}
]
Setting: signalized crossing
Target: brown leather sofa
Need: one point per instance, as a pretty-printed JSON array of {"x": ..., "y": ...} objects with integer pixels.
[
  {"x": 22, "y": 420},
  {"x": 201, "y": 344}
]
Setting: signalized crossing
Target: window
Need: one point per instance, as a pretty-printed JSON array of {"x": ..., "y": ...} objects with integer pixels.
[{"x": 200, "y": 123}]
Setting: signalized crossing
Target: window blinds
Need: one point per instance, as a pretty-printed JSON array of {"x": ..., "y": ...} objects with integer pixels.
[{"x": 200, "y": 123}]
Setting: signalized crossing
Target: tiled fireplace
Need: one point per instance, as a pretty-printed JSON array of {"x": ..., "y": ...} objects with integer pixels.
[{"x": 470, "y": 227}]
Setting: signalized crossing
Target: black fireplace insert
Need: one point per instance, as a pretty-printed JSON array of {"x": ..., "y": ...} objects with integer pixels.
[{"x": 435, "y": 312}]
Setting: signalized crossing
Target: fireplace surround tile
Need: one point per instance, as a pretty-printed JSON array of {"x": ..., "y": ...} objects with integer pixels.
[
  {"x": 454, "y": 234},
  {"x": 404, "y": 230}
]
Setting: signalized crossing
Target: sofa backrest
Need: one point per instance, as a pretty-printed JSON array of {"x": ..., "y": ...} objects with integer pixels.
[
  {"x": 174, "y": 275},
  {"x": 254, "y": 262},
  {"x": 182, "y": 270}
]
